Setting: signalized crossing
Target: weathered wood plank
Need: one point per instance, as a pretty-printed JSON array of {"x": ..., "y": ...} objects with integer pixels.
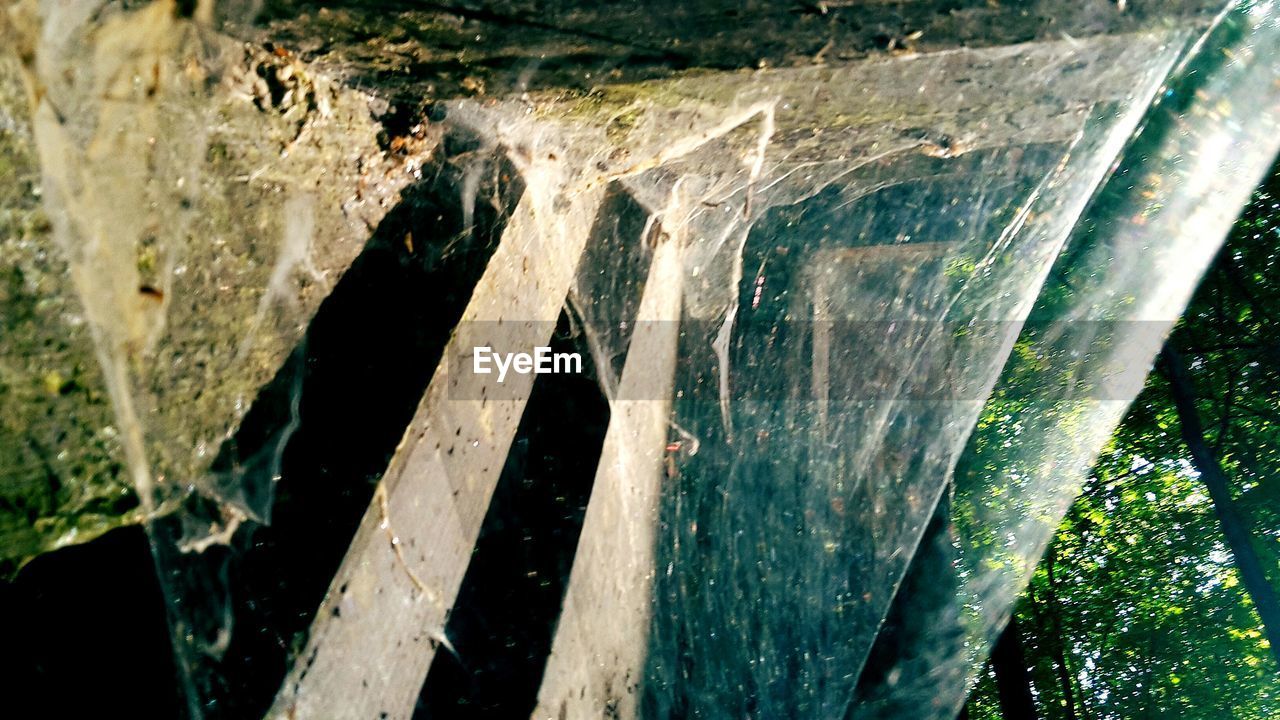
[
  {"x": 381, "y": 621},
  {"x": 598, "y": 653},
  {"x": 516, "y": 45}
]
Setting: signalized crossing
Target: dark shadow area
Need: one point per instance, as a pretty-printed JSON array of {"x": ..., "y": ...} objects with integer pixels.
[
  {"x": 505, "y": 615},
  {"x": 906, "y": 650},
  {"x": 355, "y": 382},
  {"x": 84, "y": 635},
  {"x": 86, "y": 625}
]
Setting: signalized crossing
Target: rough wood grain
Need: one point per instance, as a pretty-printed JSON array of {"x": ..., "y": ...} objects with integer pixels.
[
  {"x": 381, "y": 622},
  {"x": 597, "y": 657}
]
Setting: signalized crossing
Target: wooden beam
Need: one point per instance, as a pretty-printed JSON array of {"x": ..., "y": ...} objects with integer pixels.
[
  {"x": 377, "y": 630},
  {"x": 597, "y": 658}
]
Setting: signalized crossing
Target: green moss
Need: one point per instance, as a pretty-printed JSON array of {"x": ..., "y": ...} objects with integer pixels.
[{"x": 61, "y": 478}]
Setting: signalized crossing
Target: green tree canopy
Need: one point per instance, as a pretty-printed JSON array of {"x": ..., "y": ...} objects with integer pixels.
[{"x": 1139, "y": 609}]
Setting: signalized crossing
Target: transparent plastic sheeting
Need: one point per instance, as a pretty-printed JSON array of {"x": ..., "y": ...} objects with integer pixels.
[
  {"x": 866, "y": 249},
  {"x": 1126, "y": 274},
  {"x": 863, "y": 256}
]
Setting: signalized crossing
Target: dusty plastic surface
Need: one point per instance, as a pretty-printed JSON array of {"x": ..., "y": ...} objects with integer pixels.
[
  {"x": 855, "y": 285},
  {"x": 841, "y": 332}
]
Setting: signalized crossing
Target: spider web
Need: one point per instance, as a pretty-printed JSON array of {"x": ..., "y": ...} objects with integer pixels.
[{"x": 880, "y": 268}]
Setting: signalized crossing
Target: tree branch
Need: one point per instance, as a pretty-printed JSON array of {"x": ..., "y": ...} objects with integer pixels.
[{"x": 1235, "y": 530}]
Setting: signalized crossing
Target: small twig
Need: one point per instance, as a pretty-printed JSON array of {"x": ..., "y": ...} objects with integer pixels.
[{"x": 436, "y": 634}]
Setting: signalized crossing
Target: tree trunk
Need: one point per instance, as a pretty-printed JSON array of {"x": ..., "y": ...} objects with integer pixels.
[
  {"x": 1013, "y": 681},
  {"x": 1215, "y": 479},
  {"x": 1053, "y": 639}
]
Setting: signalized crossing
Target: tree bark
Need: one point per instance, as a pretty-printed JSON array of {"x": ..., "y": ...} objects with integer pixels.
[
  {"x": 1234, "y": 528},
  {"x": 1054, "y": 640},
  {"x": 1013, "y": 681}
]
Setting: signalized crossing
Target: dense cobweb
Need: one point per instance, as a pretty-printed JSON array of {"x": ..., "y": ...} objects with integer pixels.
[
  {"x": 850, "y": 303},
  {"x": 862, "y": 252}
]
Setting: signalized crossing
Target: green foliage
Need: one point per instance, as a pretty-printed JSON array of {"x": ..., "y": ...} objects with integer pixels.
[{"x": 1139, "y": 597}]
